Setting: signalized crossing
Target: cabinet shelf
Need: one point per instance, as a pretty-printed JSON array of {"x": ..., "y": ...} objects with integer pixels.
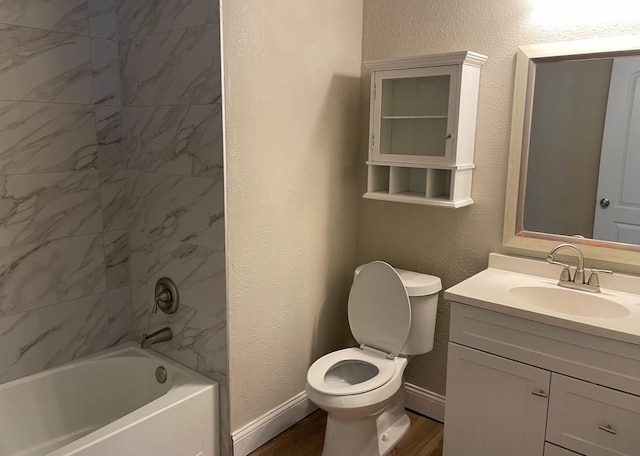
[
  {"x": 412, "y": 117},
  {"x": 414, "y": 198},
  {"x": 420, "y": 165}
]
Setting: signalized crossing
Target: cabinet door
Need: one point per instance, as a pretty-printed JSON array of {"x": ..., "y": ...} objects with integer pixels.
[
  {"x": 415, "y": 115},
  {"x": 495, "y": 407}
]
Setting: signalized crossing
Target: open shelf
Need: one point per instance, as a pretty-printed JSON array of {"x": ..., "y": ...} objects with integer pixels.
[
  {"x": 427, "y": 186},
  {"x": 378, "y": 179}
]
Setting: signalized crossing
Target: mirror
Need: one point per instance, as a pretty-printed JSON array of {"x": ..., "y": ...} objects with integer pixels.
[{"x": 575, "y": 149}]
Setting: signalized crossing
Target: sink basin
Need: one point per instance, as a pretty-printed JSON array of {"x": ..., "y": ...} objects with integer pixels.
[{"x": 570, "y": 302}]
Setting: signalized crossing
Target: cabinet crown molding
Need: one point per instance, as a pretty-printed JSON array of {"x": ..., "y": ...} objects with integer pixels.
[{"x": 449, "y": 58}]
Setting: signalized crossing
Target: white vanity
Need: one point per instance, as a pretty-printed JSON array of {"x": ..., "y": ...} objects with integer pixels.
[{"x": 535, "y": 369}]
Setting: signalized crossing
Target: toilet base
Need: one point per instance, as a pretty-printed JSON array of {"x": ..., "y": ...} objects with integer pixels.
[
  {"x": 361, "y": 437},
  {"x": 393, "y": 423},
  {"x": 390, "y": 438},
  {"x": 347, "y": 437},
  {"x": 374, "y": 435}
]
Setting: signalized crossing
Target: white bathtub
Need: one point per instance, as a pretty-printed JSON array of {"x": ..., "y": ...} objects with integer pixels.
[{"x": 111, "y": 405}]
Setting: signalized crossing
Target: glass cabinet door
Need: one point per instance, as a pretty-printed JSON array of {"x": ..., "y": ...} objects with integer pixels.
[{"x": 415, "y": 112}]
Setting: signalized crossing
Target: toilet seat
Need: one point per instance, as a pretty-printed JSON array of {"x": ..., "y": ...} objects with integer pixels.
[
  {"x": 380, "y": 318},
  {"x": 379, "y": 309},
  {"x": 318, "y": 371}
]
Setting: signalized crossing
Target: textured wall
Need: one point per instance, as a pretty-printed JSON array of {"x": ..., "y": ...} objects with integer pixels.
[
  {"x": 172, "y": 123},
  {"x": 292, "y": 78},
  {"x": 454, "y": 244},
  {"x": 63, "y": 243}
]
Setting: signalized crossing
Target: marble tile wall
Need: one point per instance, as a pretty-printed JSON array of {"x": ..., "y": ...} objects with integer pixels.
[
  {"x": 64, "y": 273},
  {"x": 172, "y": 133},
  {"x": 111, "y": 176}
]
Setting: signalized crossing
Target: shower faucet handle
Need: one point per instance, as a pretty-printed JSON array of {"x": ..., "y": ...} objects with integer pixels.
[
  {"x": 166, "y": 296},
  {"x": 163, "y": 297}
]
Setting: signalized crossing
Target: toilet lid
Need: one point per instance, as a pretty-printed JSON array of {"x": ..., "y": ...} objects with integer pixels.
[{"x": 379, "y": 309}]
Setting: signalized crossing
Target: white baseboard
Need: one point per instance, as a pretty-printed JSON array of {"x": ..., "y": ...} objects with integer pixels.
[
  {"x": 285, "y": 415},
  {"x": 424, "y": 402},
  {"x": 272, "y": 423}
]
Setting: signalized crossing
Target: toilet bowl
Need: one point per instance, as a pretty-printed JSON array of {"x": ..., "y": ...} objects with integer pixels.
[{"x": 362, "y": 388}]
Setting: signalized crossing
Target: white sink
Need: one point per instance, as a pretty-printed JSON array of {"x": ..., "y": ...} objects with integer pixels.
[
  {"x": 570, "y": 302},
  {"x": 529, "y": 289}
]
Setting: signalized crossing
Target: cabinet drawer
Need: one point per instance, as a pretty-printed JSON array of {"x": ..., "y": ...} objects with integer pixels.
[
  {"x": 602, "y": 361},
  {"x": 552, "y": 450},
  {"x": 593, "y": 420}
]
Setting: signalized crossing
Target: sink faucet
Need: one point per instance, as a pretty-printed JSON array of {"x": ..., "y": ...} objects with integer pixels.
[
  {"x": 162, "y": 335},
  {"x": 578, "y": 282}
]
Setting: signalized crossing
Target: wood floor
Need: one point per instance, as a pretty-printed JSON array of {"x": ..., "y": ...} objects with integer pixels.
[{"x": 305, "y": 438}]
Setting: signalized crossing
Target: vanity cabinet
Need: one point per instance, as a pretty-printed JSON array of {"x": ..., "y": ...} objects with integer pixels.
[
  {"x": 422, "y": 128},
  {"x": 519, "y": 387}
]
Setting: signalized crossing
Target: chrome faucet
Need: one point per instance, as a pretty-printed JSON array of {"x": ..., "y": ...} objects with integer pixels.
[
  {"x": 162, "y": 335},
  {"x": 578, "y": 281}
]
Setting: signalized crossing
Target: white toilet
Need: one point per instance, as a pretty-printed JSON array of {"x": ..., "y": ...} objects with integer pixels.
[{"x": 392, "y": 313}]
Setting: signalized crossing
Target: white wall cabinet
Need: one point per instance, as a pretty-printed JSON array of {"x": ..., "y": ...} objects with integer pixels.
[
  {"x": 516, "y": 386},
  {"x": 422, "y": 128}
]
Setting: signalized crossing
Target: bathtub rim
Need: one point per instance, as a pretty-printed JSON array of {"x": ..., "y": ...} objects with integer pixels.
[{"x": 112, "y": 352}]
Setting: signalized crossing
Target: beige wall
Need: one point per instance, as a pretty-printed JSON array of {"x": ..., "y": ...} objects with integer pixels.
[
  {"x": 292, "y": 109},
  {"x": 453, "y": 244},
  {"x": 292, "y": 81}
]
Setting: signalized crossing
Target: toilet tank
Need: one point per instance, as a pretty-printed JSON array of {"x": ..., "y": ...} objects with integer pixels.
[{"x": 423, "y": 292}]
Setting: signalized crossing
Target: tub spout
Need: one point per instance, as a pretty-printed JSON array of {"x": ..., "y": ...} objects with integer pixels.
[{"x": 162, "y": 335}]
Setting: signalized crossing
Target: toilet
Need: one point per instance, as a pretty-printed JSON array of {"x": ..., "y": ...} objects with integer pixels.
[{"x": 392, "y": 314}]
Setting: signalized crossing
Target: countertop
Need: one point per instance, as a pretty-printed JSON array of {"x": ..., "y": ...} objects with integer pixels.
[{"x": 490, "y": 290}]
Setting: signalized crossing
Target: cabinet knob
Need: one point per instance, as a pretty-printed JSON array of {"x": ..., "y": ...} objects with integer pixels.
[
  {"x": 608, "y": 429},
  {"x": 540, "y": 393}
]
